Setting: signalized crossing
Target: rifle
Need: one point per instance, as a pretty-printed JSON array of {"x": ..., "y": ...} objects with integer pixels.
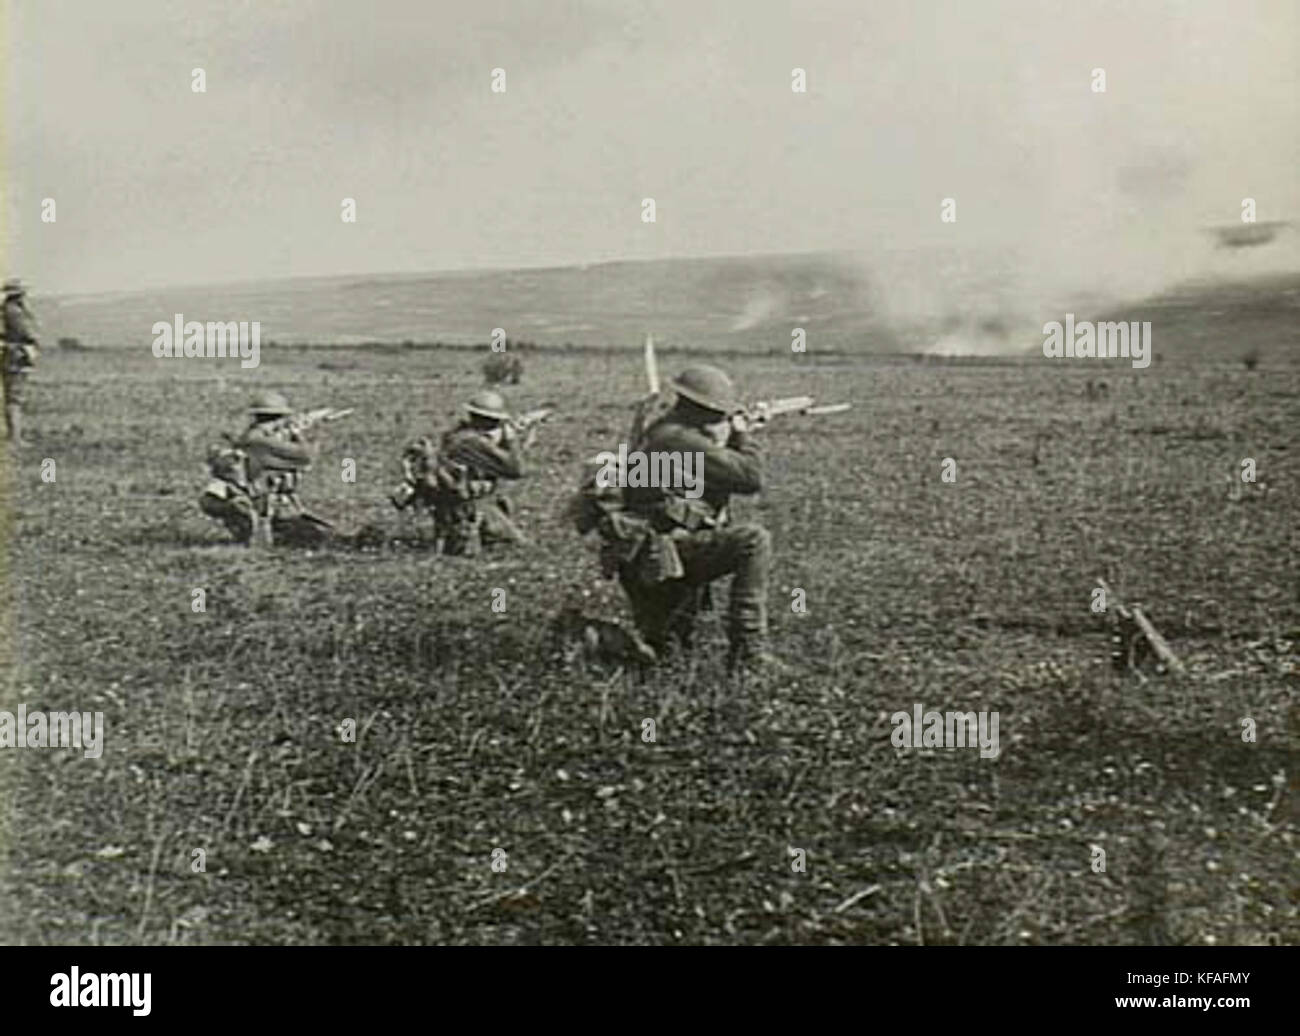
[
  {"x": 758, "y": 414},
  {"x": 300, "y": 422},
  {"x": 532, "y": 417},
  {"x": 526, "y": 424},
  {"x": 653, "y": 405}
]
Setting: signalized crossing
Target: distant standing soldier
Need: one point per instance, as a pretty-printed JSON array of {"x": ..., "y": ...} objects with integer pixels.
[
  {"x": 666, "y": 548},
  {"x": 459, "y": 479},
  {"x": 256, "y": 476},
  {"x": 20, "y": 350}
]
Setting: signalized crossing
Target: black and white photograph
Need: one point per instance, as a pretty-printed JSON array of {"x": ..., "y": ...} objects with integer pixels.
[{"x": 607, "y": 473}]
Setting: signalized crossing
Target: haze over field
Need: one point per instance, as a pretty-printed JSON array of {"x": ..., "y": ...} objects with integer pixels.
[
  {"x": 948, "y": 305},
  {"x": 1066, "y": 197}
]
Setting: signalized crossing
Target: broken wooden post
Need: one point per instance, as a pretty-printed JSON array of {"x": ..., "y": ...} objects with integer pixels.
[{"x": 1124, "y": 654}]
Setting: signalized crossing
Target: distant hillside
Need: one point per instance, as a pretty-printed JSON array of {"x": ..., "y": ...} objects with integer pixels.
[
  {"x": 729, "y": 302},
  {"x": 946, "y": 304},
  {"x": 1226, "y": 321}
]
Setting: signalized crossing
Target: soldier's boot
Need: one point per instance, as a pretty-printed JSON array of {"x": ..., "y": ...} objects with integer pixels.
[
  {"x": 652, "y": 608},
  {"x": 638, "y": 650},
  {"x": 612, "y": 642}
]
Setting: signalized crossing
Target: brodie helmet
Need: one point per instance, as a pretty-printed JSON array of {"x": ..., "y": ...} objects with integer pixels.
[
  {"x": 487, "y": 404},
  {"x": 708, "y": 387},
  {"x": 270, "y": 404}
]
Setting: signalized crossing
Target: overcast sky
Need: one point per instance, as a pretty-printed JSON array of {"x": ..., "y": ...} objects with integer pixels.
[{"x": 685, "y": 101}]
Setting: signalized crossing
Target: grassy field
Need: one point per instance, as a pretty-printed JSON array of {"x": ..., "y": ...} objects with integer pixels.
[{"x": 476, "y": 731}]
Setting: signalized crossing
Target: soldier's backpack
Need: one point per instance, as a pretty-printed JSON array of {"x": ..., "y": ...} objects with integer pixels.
[
  {"x": 599, "y": 504},
  {"x": 228, "y": 468},
  {"x": 429, "y": 475}
]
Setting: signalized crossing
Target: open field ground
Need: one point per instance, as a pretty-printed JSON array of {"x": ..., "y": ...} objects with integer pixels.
[{"x": 477, "y": 732}]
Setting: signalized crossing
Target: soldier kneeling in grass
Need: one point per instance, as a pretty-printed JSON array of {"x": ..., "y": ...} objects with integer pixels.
[
  {"x": 667, "y": 547},
  {"x": 458, "y": 480},
  {"x": 255, "y": 477}
]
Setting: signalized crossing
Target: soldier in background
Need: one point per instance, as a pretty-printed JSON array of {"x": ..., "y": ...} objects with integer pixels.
[
  {"x": 459, "y": 479},
  {"x": 666, "y": 548},
  {"x": 20, "y": 350},
  {"x": 255, "y": 477}
]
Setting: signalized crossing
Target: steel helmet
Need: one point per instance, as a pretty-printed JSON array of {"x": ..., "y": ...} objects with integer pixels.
[
  {"x": 487, "y": 404},
  {"x": 14, "y": 286},
  {"x": 271, "y": 404},
  {"x": 707, "y": 387}
]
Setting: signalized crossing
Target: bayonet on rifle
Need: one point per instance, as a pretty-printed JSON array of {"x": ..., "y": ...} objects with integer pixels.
[
  {"x": 652, "y": 405},
  {"x": 532, "y": 417},
  {"x": 301, "y": 422},
  {"x": 304, "y": 419},
  {"x": 762, "y": 412},
  {"x": 651, "y": 366}
]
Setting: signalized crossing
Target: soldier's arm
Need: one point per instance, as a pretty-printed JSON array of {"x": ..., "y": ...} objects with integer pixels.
[
  {"x": 736, "y": 467},
  {"x": 476, "y": 453},
  {"x": 278, "y": 454}
]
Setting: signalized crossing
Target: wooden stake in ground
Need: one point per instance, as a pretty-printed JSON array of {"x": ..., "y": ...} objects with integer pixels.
[{"x": 1137, "y": 617}]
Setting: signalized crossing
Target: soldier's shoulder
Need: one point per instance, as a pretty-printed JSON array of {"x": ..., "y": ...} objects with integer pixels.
[
  {"x": 461, "y": 434},
  {"x": 671, "y": 434},
  {"x": 268, "y": 430}
]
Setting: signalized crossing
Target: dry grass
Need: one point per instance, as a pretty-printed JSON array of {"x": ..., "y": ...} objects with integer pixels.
[{"x": 474, "y": 735}]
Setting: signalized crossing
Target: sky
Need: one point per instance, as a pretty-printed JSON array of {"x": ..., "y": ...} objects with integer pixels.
[{"x": 608, "y": 102}]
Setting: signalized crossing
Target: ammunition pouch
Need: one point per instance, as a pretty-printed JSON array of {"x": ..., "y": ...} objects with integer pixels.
[
  {"x": 638, "y": 537},
  {"x": 677, "y": 512},
  {"x": 437, "y": 482},
  {"x": 228, "y": 468}
]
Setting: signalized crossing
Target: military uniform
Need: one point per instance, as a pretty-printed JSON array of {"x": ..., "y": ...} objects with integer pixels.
[
  {"x": 20, "y": 344},
  {"x": 470, "y": 514},
  {"x": 459, "y": 479},
  {"x": 666, "y": 548},
  {"x": 258, "y": 474}
]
